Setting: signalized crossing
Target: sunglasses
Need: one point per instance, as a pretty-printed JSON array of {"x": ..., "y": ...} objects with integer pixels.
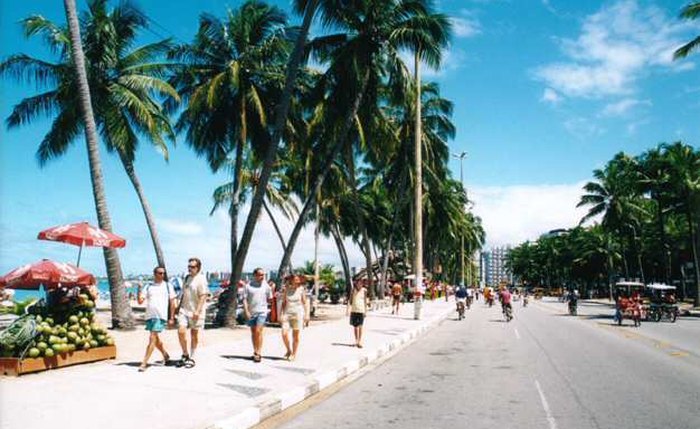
[
  {"x": 160, "y": 272},
  {"x": 191, "y": 266}
]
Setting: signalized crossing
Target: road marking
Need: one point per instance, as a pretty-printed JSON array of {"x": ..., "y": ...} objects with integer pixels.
[
  {"x": 545, "y": 405},
  {"x": 517, "y": 334}
]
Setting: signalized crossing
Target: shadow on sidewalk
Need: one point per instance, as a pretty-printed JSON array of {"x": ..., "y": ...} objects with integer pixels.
[
  {"x": 343, "y": 344},
  {"x": 250, "y": 357}
]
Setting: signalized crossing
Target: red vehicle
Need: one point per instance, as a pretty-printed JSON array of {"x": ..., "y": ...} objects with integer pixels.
[{"x": 628, "y": 302}]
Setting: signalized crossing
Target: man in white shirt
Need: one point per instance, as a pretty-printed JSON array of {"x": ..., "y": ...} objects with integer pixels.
[
  {"x": 191, "y": 314},
  {"x": 255, "y": 296},
  {"x": 158, "y": 295}
]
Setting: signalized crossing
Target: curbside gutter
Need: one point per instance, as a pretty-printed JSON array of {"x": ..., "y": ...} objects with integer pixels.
[{"x": 253, "y": 415}]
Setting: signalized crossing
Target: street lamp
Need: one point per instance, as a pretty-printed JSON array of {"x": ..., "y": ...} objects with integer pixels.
[{"x": 461, "y": 157}]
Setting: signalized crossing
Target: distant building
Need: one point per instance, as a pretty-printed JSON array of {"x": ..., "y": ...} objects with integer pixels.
[{"x": 493, "y": 267}]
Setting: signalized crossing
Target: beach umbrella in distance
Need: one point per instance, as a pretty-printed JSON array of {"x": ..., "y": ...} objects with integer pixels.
[
  {"x": 48, "y": 273},
  {"x": 82, "y": 234}
]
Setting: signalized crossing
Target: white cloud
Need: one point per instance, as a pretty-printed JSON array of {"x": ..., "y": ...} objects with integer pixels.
[
  {"x": 623, "y": 106},
  {"x": 179, "y": 227},
  {"x": 551, "y": 96},
  {"x": 465, "y": 27},
  {"x": 513, "y": 214},
  {"x": 615, "y": 47},
  {"x": 582, "y": 128}
]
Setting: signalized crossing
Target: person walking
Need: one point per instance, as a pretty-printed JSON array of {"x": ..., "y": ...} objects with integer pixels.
[
  {"x": 255, "y": 296},
  {"x": 157, "y": 295},
  {"x": 357, "y": 308},
  {"x": 191, "y": 314},
  {"x": 294, "y": 315},
  {"x": 396, "y": 293}
]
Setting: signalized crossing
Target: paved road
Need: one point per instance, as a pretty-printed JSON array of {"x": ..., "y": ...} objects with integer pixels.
[{"x": 542, "y": 370}]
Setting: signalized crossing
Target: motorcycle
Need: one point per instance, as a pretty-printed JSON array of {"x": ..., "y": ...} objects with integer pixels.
[
  {"x": 573, "y": 307},
  {"x": 525, "y": 301}
]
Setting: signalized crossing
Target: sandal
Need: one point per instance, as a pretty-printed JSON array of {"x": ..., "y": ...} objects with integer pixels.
[
  {"x": 142, "y": 367},
  {"x": 257, "y": 358},
  {"x": 287, "y": 355}
]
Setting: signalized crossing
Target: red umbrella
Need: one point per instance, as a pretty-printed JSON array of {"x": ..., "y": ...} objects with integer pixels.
[
  {"x": 47, "y": 273},
  {"x": 82, "y": 234}
]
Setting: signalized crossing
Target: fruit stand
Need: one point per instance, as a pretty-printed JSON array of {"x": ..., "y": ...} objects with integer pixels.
[{"x": 58, "y": 331}]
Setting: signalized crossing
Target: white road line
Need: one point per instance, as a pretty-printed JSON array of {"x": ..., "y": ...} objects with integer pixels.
[
  {"x": 517, "y": 334},
  {"x": 545, "y": 405}
]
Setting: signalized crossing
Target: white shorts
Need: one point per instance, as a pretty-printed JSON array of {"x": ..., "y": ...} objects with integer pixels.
[
  {"x": 184, "y": 321},
  {"x": 462, "y": 300},
  {"x": 293, "y": 320}
]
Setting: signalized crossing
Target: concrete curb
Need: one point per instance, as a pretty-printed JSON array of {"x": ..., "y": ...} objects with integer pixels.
[{"x": 253, "y": 415}]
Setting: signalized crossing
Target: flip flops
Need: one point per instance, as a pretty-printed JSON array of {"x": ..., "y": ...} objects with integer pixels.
[{"x": 257, "y": 358}]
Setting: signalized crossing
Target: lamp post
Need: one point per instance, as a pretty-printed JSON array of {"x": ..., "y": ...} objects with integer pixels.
[{"x": 461, "y": 157}]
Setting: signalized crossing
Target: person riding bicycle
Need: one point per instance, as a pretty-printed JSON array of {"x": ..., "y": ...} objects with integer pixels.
[
  {"x": 505, "y": 298},
  {"x": 461, "y": 296}
]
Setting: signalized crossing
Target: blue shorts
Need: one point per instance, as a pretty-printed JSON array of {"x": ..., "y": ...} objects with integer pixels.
[
  {"x": 156, "y": 325},
  {"x": 257, "y": 319}
]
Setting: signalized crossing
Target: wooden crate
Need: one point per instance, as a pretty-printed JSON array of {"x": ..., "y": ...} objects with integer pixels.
[{"x": 15, "y": 366}]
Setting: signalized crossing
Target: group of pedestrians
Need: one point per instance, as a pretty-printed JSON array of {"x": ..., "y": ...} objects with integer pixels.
[{"x": 163, "y": 309}]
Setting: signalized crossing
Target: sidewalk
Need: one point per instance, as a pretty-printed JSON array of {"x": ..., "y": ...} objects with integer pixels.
[{"x": 225, "y": 390}]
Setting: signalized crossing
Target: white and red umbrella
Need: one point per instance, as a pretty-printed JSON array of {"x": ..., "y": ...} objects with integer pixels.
[
  {"x": 82, "y": 234},
  {"x": 48, "y": 273}
]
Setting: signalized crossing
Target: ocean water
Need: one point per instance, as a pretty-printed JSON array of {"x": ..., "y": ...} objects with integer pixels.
[{"x": 102, "y": 286}]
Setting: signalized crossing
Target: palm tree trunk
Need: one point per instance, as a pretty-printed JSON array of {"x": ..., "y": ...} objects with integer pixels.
[
  {"x": 362, "y": 225},
  {"x": 150, "y": 222},
  {"x": 121, "y": 311},
  {"x": 271, "y": 153},
  {"x": 343, "y": 258},
  {"x": 274, "y": 224},
  {"x": 343, "y": 140},
  {"x": 234, "y": 209},
  {"x": 418, "y": 191}
]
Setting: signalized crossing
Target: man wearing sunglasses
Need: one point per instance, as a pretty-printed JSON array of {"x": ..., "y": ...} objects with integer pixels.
[{"x": 191, "y": 314}]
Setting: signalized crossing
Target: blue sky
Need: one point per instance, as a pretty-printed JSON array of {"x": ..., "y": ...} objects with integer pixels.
[{"x": 544, "y": 92}]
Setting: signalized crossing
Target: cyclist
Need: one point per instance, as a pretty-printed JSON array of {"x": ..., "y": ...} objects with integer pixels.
[
  {"x": 461, "y": 298},
  {"x": 505, "y": 298}
]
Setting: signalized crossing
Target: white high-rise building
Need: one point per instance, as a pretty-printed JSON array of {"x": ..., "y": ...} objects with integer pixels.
[{"x": 493, "y": 267}]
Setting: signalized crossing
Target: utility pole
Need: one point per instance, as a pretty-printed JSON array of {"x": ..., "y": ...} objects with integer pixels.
[{"x": 461, "y": 156}]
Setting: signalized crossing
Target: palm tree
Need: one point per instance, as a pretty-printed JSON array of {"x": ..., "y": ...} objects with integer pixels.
[
  {"x": 121, "y": 311},
  {"x": 684, "y": 166},
  {"x": 360, "y": 58},
  {"x": 308, "y": 8},
  {"x": 615, "y": 196},
  {"x": 230, "y": 78},
  {"x": 124, "y": 84},
  {"x": 277, "y": 195},
  {"x": 692, "y": 12}
]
